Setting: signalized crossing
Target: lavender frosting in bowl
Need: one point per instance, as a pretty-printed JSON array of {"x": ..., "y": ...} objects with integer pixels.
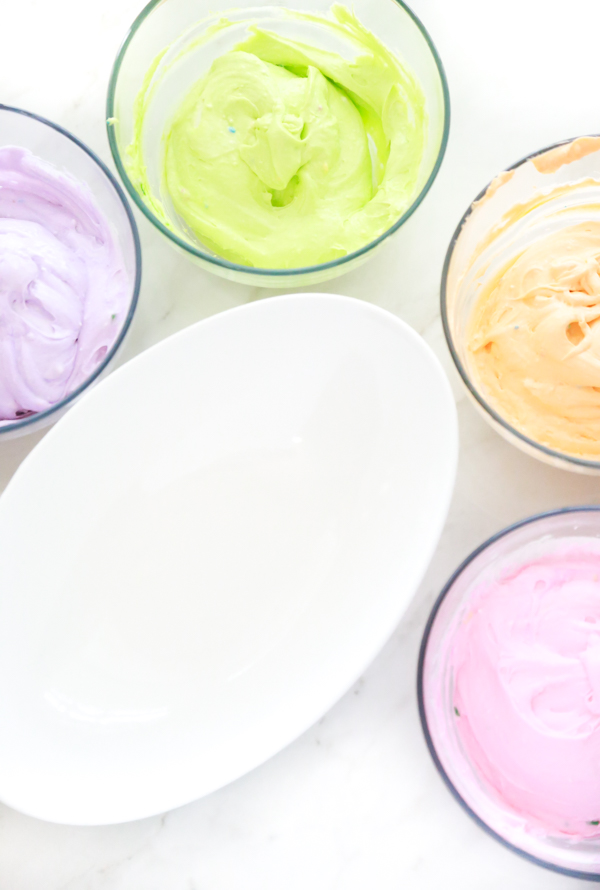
[{"x": 70, "y": 269}]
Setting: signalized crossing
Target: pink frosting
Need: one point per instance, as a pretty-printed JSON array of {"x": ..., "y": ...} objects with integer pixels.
[
  {"x": 526, "y": 664},
  {"x": 64, "y": 290}
]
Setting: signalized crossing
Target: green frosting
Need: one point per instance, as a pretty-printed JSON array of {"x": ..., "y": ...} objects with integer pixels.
[{"x": 285, "y": 155}]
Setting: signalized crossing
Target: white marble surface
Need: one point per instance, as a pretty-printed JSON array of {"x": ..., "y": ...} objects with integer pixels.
[{"x": 355, "y": 804}]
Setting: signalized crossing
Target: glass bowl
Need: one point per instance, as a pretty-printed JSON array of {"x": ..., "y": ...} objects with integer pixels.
[
  {"x": 56, "y": 146},
  {"x": 183, "y": 26},
  {"x": 489, "y": 236},
  {"x": 439, "y": 717}
]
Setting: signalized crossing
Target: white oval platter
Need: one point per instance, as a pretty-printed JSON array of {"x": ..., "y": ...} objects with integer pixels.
[{"x": 208, "y": 550}]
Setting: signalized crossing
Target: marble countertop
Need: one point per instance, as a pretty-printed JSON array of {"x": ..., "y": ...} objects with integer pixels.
[{"x": 355, "y": 803}]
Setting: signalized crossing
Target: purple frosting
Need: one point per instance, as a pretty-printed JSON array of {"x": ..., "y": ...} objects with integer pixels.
[{"x": 64, "y": 290}]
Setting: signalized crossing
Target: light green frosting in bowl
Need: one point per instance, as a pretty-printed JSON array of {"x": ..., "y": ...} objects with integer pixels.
[{"x": 284, "y": 155}]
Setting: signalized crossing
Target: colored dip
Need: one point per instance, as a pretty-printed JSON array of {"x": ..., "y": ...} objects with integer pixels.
[
  {"x": 526, "y": 666},
  {"x": 534, "y": 341},
  {"x": 285, "y": 155},
  {"x": 64, "y": 290}
]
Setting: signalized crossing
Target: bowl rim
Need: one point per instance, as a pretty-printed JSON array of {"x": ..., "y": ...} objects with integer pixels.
[
  {"x": 481, "y": 401},
  {"x": 221, "y": 262},
  {"x": 538, "y": 517},
  {"x": 282, "y": 310},
  {"x": 33, "y": 420}
]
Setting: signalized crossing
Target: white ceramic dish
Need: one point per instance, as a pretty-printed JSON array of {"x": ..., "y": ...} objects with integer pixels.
[{"x": 204, "y": 554}]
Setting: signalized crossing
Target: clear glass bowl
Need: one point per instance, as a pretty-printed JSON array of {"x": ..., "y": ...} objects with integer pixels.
[
  {"x": 483, "y": 233},
  {"x": 579, "y": 859},
  {"x": 164, "y": 22},
  {"x": 55, "y": 145}
]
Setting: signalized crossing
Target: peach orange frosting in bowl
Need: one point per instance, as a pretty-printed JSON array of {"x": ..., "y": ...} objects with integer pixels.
[
  {"x": 534, "y": 340},
  {"x": 521, "y": 304},
  {"x": 509, "y": 688}
]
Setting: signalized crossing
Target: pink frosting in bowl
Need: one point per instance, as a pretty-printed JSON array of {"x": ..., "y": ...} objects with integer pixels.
[
  {"x": 509, "y": 688},
  {"x": 69, "y": 270}
]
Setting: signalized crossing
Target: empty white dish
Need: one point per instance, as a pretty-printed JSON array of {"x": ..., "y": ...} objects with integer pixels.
[{"x": 205, "y": 553}]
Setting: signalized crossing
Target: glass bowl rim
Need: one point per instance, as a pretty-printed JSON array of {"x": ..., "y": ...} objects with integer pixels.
[
  {"x": 488, "y": 409},
  {"x": 255, "y": 270},
  {"x": 33, "y": 419},
  {"x": 530, "y": 520}
]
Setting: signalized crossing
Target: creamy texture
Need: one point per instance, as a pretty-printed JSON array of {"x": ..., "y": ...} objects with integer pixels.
[
  {"x": 526, "y": 665},
  {"x": 286, "y": 155},
  {"x": 64, "y": 291},
  {"x": 553, "y": 160},
  {"x": 533, "y": 341}
]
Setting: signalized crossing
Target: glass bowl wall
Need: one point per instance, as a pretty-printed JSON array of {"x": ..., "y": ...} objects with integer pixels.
[
  {"x": 486, "y": 240},
  {"x": 436, "y": 692},
  {"x": 181, "y": 26},
  {"x": 64, "y": 151}
]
